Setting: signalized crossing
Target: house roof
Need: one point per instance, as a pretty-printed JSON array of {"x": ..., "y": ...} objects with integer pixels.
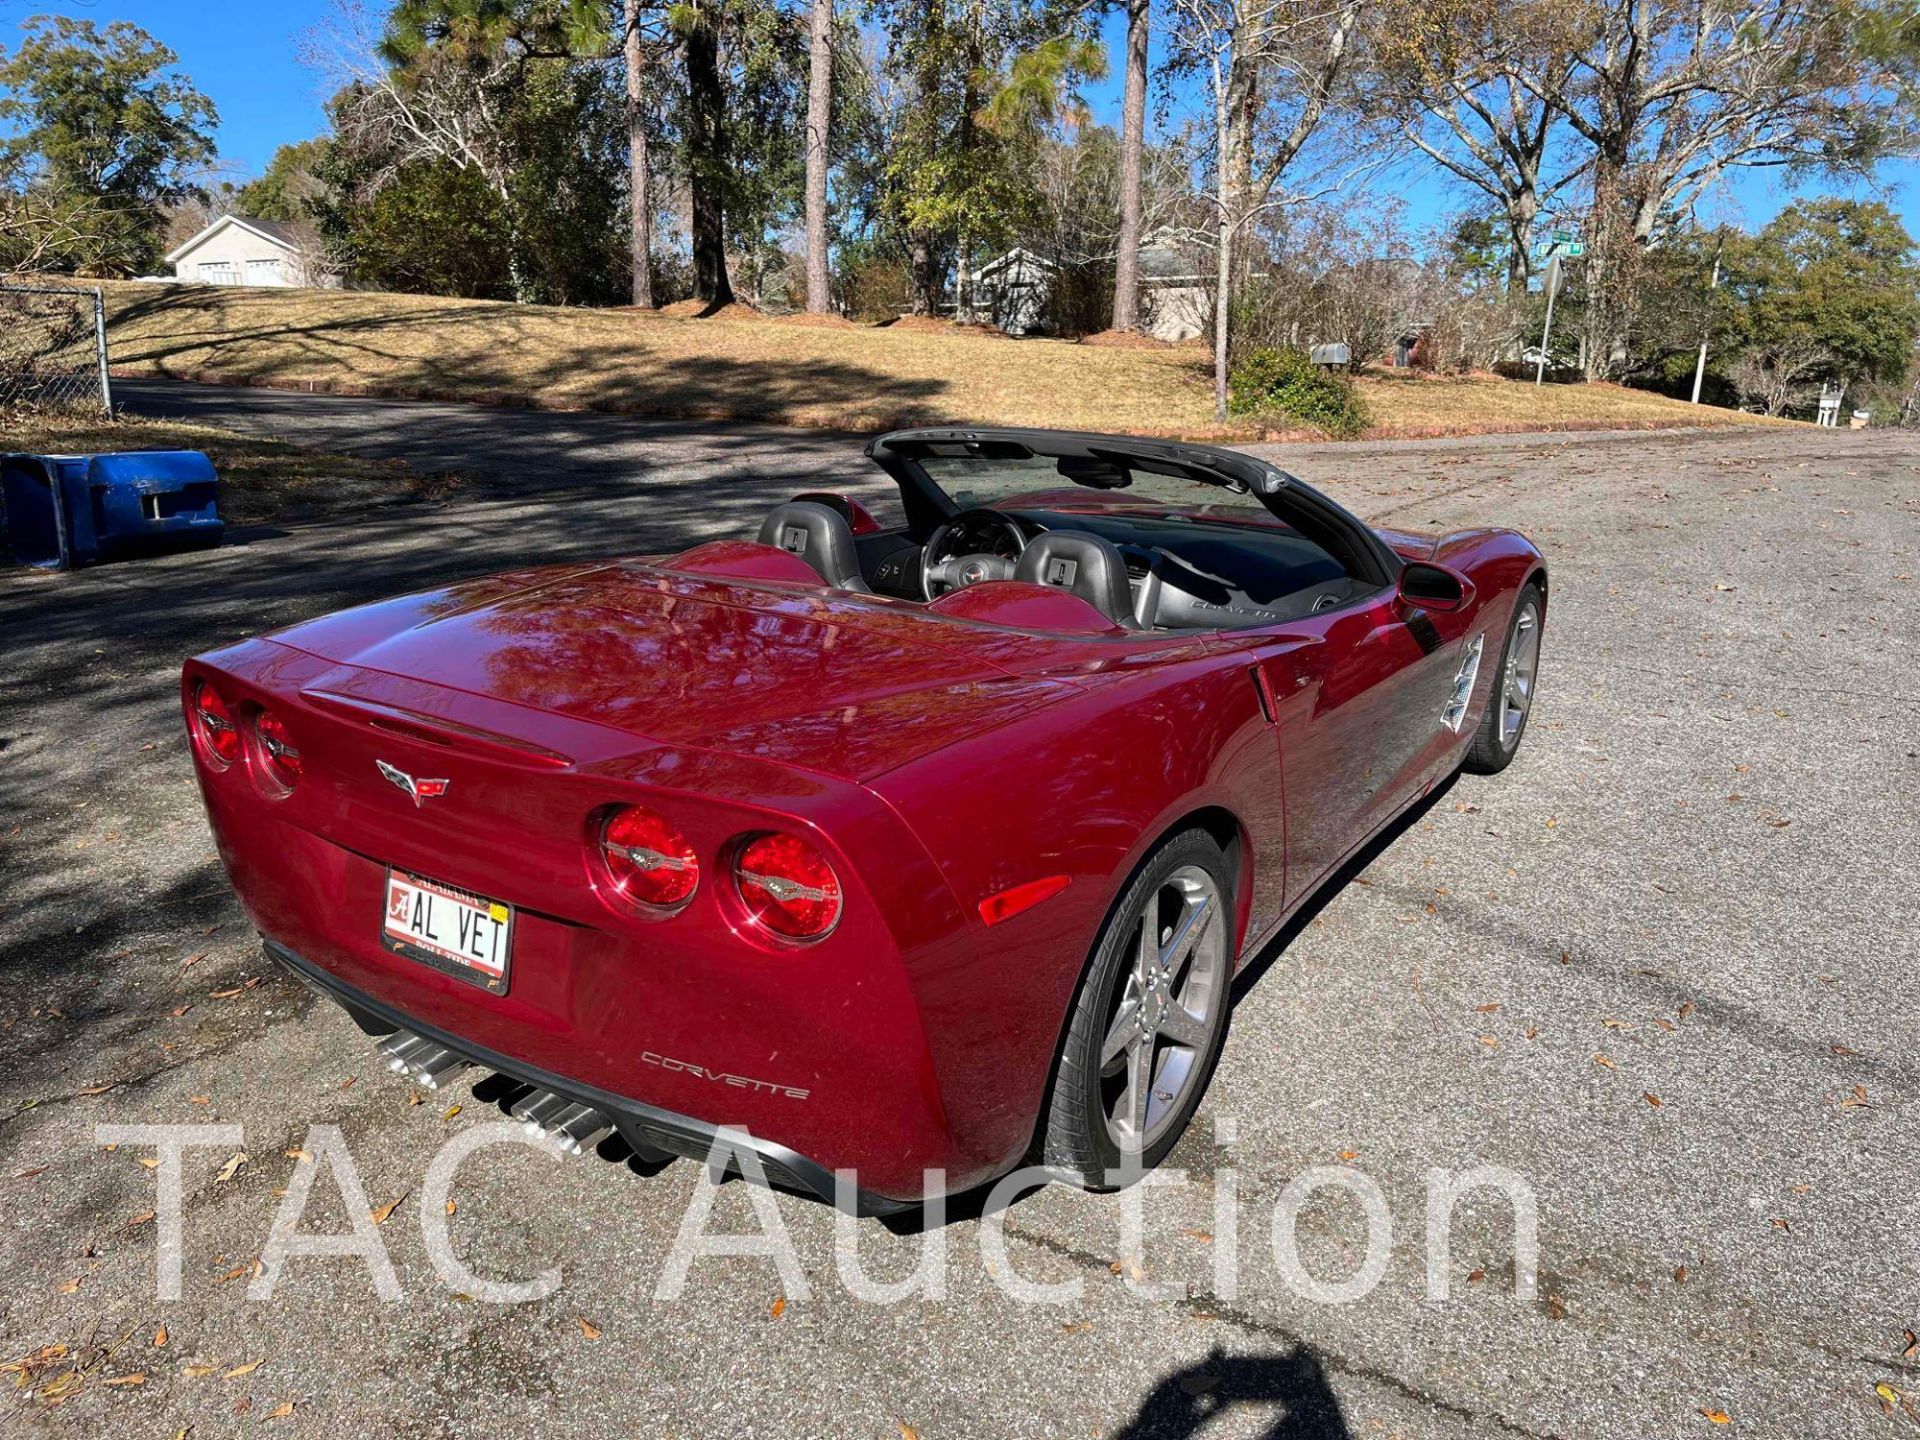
[
  {"x": 1017, "y": 255},
  {"x": 287, "y": 237},
  {"x": 1160, "y": 264}
]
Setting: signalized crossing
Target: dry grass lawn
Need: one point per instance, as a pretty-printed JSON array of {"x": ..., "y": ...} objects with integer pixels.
[
  {"x": 261, "y": 481},
  {"x": 749, "y": 367}
]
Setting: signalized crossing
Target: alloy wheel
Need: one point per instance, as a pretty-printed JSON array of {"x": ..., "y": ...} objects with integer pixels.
[
  {"x": 1150, "y": 1058},
  {"x": 1516, "y": 685}
]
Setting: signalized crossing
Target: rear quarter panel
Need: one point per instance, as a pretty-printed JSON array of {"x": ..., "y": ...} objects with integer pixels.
[{"x": 1084, "y": 788}]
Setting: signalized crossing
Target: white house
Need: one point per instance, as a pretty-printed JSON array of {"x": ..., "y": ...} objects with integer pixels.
[
  {"x": 234, "y": 250},
  {"x": 1176, "y": 301}
]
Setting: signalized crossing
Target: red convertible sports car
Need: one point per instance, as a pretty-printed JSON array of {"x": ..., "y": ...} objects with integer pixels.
[{"x": 928, "y": 842}]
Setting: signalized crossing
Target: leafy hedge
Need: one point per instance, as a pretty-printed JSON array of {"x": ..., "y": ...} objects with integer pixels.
[{"x": 1281, "y": 380}]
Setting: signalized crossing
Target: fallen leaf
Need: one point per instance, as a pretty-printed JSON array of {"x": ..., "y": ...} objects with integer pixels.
[
  {"x": 1780, "y": 1222},
  {"x": 126, "y": 1380},
  {"x": 451, "y": 1207},
  {"x": 298, "y": 1155},
  {"x": 1603, "y": 1060},
  {"x": 414, "y": 1097},
  {"x": 1490, "y": 1042},
  {"x": 160, "y": 1338},
  {"x": 1201, "y": 1235},
  {"x": 779, "y": 1307},
  {"x": 1651, "y": 1098},
  {"x": 180, "y": 1010},
  {"x": 379, "y": 1217},
  {"x": 1716, "y": 1417},
  {"x": 68, "y": 1287},
  {"x": 1913, "y": 1344},
  {"x": 1686, "y": 1009},
  {"x": 1474, "y": 1277},
  {"x": 587, "y": 1328},
  {"x": 1679, "y": 1274},
  {"x": 232, "y": 1167},
  {"x": 195, "y": 1372},
  {"x": 91, "y": 1089},
  {"x": 1842, "y": 1049},
  {"x": 347, "y": 1084},
  {"x": 149, "y": 1162},
  {"x": 233, "y": 1274},
  {"x": 246, "y": 1369},
  {"x": 451, "y": 1111},
  {"x": 1487, "y": 1009},
  {"x": 141, "y": 1218},
  {"x": 229, "y": 994},
  {"x": 199, "y": 1099},
  {"x": 1349, "y": 1155},
  {"x": 907, "y": 1432},
  {"x": 281, "y": 1411},
  {"x": 1889, "y": 1396}
]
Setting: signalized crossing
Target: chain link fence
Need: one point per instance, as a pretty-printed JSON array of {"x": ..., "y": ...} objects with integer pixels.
[{"x": 53, "y": 348}]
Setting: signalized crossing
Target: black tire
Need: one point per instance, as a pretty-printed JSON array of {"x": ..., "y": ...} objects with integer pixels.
[
  {"x": 1077, "y": 1137},
  {"x": 1497, "y": 740}
]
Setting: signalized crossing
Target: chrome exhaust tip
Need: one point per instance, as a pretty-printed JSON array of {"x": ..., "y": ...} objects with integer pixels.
[
  {"x": 537, "y": 1109},
  {"x": 546, "y": 1116},
  {"x": 579, "y": 1128},
  {"x": 431, "y": 1064}
]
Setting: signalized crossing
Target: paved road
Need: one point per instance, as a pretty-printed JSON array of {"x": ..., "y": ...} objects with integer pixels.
[{"x": 1694, "y": 887}]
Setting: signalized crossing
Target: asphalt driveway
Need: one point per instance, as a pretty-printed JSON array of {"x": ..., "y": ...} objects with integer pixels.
[{"x": 1661, "y": 970}]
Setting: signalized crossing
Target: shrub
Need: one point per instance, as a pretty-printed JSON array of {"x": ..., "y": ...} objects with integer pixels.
[{"x": 1281, "y": 380}]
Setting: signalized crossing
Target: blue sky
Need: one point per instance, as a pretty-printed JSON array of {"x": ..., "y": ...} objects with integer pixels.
[{"x": 245, "y": 57}]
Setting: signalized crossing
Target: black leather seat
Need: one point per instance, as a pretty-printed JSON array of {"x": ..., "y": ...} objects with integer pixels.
[
  {"x": 819, "y": 535},
  {"x": 1090, "y": 566}
]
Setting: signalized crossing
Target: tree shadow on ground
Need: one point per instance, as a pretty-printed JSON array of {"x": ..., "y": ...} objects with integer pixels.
[
  {"x": 504, "y": 357},
  {"x": 1187, "y": 1401}
]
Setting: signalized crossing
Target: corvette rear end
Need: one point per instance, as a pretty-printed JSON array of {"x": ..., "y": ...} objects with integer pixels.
[{"x": 673, "y": 934}]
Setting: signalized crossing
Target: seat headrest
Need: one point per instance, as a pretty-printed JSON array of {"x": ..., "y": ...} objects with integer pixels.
[
  {"x": 819, "y": 535},
  {"x": 1089, "y": 566}
]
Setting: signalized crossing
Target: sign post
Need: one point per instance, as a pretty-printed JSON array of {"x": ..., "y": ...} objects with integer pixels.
[
  {"x": 1546, "y": 331},
  {"x": 1700, "y": 367}
]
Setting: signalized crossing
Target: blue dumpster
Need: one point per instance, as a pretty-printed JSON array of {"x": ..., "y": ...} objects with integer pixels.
[{"x": 67, "y": 510}]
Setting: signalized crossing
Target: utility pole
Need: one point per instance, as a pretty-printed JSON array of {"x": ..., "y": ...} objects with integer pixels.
[
  {"x": 1700, "y": 368},
  {"x": 1546, "y": 331}
]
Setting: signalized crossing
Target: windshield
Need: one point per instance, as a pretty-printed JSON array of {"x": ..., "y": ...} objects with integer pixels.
[{"x": 986, "y": 482}]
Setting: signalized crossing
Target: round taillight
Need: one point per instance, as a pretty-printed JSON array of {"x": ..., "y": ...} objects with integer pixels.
[
  {"x": 279, "y": 756},
  {"x": 213, "y": 722},
  {"x": 649, "y": 860},
  {"x": 787, "y": 886}
]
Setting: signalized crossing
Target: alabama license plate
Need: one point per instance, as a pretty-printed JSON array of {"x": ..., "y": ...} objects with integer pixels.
[{"x": 465, "y": 935}]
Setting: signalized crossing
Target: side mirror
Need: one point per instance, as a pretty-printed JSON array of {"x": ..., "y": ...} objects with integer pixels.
[{"x": 1433, "y": 587}]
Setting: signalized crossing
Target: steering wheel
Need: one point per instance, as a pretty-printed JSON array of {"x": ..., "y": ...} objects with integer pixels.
[{"x": 941, "y": 571}]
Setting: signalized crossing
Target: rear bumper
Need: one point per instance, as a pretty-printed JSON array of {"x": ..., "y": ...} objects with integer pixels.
[{"x": 641, "y": 1125}]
